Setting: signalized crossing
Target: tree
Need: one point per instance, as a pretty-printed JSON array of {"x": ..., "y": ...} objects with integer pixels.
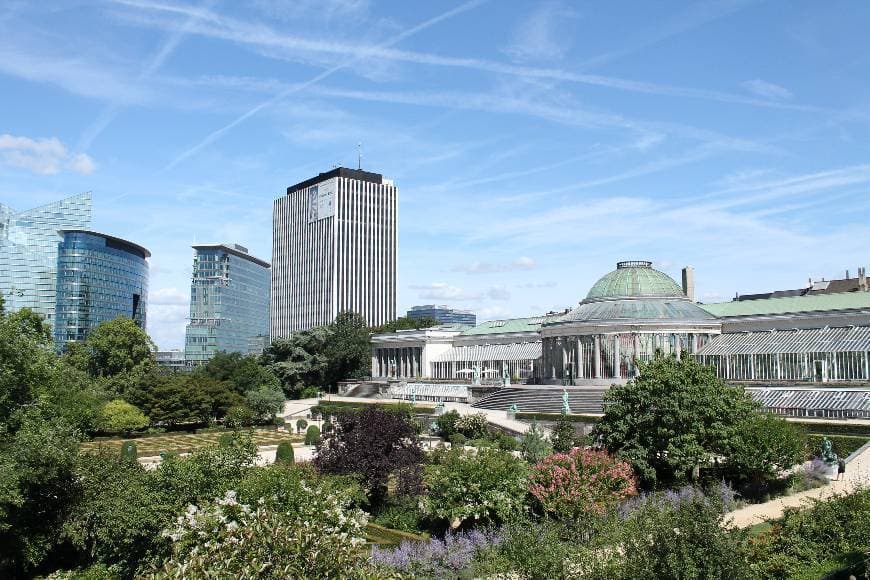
[
  {"x": 242, "y": 373},
  {"x": 312, "y": 435},
  {"x": 113, "y": 348},
  {"x": 299, "y": 361},
  {"x": 472, "y": 426},
  {"x": 563, "y": 435},
  {"x": 119, "y": 416},
  {"x": 534, "y": 445},
  {"x": 27, "y": 362},
  {"x": 405, "y": 323},
  {"x": 446, "y": 423},
  {"x": 175, "y": 400},
  {"x": 764, "y": 447},
  {"x": 265, "y": 401},
  {"x": 675, "y": 416},
  {"x": 374, "y": 443},
  {"x": 301, "y": 424},
  {"x": 487, "y": 486},
  {"x": 348, "y": 350},
  {"x": 581, "y": 483}
]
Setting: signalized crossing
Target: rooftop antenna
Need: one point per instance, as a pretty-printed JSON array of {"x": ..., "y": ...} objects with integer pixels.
[{"x": 359, "y": 156}]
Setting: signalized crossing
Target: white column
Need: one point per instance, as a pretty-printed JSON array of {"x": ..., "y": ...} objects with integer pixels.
[
  {"x": 564, "y": 357},
  {"x": 597, "y": 361},
  {"x": 617, "y": 371},
  {"x": 580, "y": 358},
  {"x": 867, "y": 365}
]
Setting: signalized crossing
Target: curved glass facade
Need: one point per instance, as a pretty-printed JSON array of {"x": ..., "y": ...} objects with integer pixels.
[{"x": 99, "y": 278}]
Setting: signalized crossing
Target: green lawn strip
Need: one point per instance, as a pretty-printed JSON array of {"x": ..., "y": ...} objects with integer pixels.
[
  {"x": 842, "y": 445},
  {"x": 834, "y": 428},
  {"x": 382, "y": 536}
]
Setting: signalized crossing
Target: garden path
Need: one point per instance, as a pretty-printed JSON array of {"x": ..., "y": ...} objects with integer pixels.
[{"x": 857, "y": 475}]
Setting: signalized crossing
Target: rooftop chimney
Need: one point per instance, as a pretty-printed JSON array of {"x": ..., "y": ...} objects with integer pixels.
[{"x": 689, "y": 282}]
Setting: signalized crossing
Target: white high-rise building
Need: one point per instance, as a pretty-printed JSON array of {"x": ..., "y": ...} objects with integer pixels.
[{"x": 334, "y": 248}]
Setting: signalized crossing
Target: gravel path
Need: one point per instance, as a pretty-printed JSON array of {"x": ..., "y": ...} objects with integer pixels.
[{"x": 857, "y": 475}]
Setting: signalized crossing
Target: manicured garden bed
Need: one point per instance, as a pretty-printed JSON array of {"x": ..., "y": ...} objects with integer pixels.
[{"x": 183, "y": 443}]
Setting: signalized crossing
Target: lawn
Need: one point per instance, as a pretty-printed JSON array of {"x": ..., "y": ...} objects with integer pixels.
[{"x": 185, "y": 442}]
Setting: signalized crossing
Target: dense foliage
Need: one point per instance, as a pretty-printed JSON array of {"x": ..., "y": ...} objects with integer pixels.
[
  {"x": 477, "y": 487},
  {"x": 534, "y": 445},
  {"x": 675, "y": 417},
  {"x": 374, "y": 444},
  {"x": 405, "y": 323}
]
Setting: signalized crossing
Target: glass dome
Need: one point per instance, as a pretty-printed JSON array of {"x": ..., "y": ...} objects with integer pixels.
[{"x": 634, "y": 279}]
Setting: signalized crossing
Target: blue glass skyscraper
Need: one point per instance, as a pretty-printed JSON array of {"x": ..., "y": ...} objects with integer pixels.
[
  {"x": 229, "y": 303},
  {"x": 99, "y": 278},
  {"x": 28, "y": 251}
]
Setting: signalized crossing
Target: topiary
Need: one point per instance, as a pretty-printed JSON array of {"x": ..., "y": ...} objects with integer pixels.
[
  {"x": 457, "y": 439},
  {"x": 284, "y": 455},
  {"x": 301, "y": 424},
  {"x": 312, "y": 435},
  {"x": 129, "y": 452},
  {"x": 225, "y": 440}
]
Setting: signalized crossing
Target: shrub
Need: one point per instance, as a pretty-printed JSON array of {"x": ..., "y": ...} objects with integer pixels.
[
  {"x": 225, "y": 440},
  {"x": 284, "y": 453},
  {"x": 129, "y": 452},
  {"x": 301, "y": 425},
  {"x": 764, "y": 446},
  {"x": 505, "y": 442},
  {"x": 310, "y": 393},
  {"x": 119, "y": 416},
  {"x": 328, "y": 428},
  {"x": 400, "y": 513},
  {"x": 278, "y": 421},
  {"x": 563, "y": 435},
  {"x": 571, "y": 486},
  {"x": 437, "y": 558},
  {"x": 484, "y": 486},
  {"x": 529, "y": 549},
  {"x": 472, "y": 426},
  {"x": 312, "y": 435},
  {"x": 446, "y": 423},
  {"x": 842, "y": 445},
  {"x": 321, "y": 538},
  {"x": 239, "y": 416},
  {"x": 457, "y": 439},
  {"x": 534, "y": 445}
]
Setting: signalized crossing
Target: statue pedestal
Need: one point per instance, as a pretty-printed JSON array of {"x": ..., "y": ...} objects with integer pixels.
[
  {"x": 511, "y": 415},
  {"x": 830, "y": 470}
]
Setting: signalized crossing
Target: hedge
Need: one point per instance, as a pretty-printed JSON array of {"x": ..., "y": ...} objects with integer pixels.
[
  {"x": 834, "y": 428},
  {"x": 333, "y": 407},
  {"x": 555, "y": 417},
  {"x": 842, "y": 445}
]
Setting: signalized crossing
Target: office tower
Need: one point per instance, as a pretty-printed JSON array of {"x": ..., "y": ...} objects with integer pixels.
[
  {"x": 443, "y": 314},
  {"x": 99, "y": 278},
  {"x": 28, "y": 252},
  {"x": 229, "y": 302},
  {"x": 334, "y": 246}
]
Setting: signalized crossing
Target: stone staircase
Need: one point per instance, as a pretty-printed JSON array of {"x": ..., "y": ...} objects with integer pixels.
[{"x": 544, "y": 400}]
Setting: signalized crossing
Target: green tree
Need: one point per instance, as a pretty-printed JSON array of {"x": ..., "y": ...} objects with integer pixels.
[
  {"x": 348, "y": 350},
  {"x": 175, "y": 400},
  {"x": 119, "y": 416},
  {"x": 312, "y": 435},
  {"x": 301, "y": 425},
  {"x": 265, "y": 401},
  {"x": 405, "y": 323},
  {"x": 299, "y": 361},
  {"x": 27, "y": 362},
  {"x": 242, "y": 373},
  {"x": 486, "y": 486},
  {"x": 446, "y": 423},
  {"x": 675, "y": 416},
  {"x": 114, "y": 347},
  {"x": 764, "y": 447}
]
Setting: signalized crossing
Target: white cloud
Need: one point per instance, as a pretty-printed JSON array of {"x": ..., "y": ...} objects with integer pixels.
[
  {"x": 168, "y": 297},
  {"x": 539, "y": 36},
  {"x": 443, "y": 291},
  {"x": 521, "y": 263},
  {"x": 767, "y": 90},
  {"x": 42, "y": 156}
]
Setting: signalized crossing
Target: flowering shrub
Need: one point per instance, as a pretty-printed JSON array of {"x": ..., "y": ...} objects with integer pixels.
[
  {"x": 487, "y": 486},
  {"x": 580, "y": 482},
  {"x": 225, "y": 538},
  {"x": 472, "y": 426},
  {"x": 436, "y": 558},
  {"x": 721, "y": 497}
]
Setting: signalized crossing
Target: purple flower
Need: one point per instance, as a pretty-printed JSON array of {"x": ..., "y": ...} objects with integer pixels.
[{"x": 436, "y": 557}]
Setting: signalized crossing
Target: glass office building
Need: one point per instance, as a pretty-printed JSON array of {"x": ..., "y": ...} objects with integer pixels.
[
  {"x": 99, "y": 278},
  {"x": 443, "y": 314},
  {"x": 28, "y": 252},
  {"x": 229, "y": 303}
]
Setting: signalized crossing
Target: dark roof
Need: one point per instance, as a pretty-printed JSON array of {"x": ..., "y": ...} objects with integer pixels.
[
  {"x": 338, "y": 172},
  {"x": 113, "y": 242},
  {"x": 233, "y": 249},
  {"x": 822, "y": 287}
]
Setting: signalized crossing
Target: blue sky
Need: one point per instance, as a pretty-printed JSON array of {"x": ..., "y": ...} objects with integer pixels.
[{"x": 534, "y": 143}]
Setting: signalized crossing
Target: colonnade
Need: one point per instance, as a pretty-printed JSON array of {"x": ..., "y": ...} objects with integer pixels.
[{"x": 402, "y": 362}]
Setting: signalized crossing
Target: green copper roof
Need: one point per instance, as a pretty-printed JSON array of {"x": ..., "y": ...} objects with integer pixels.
[
  {"x": 634, "y": 280},
  {"x": 790, "y": 304},
  {"x": 680, "y": 310},
  {"x": 505, "y": 326}
]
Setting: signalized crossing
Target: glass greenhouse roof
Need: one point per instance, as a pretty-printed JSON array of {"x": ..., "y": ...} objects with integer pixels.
[
  {"x": 843, "y": 339},
  {"x": 790, "y": 304}
]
